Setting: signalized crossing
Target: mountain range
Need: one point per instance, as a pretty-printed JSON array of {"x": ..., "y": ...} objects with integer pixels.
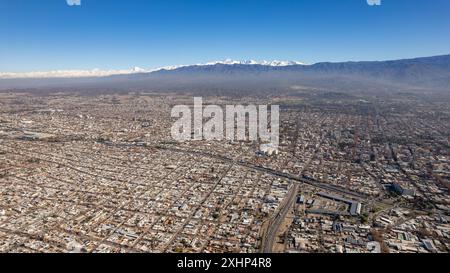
[
  {"x": 135, "y": 70},
  {"x": 425, "y": 74}
]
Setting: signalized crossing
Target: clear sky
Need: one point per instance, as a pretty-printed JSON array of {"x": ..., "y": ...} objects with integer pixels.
[{"x": 117, "y": 34}]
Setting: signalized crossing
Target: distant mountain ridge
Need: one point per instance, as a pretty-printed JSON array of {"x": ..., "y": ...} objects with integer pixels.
[
  {"x": 135, "y": 70},
  {"x": 428, "y": 73}
]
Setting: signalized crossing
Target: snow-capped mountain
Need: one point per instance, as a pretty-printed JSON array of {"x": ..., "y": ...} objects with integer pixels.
[
  {"x": 429, "y": 73},
  {"x": 135, "y": 70},
  {"x": 253, "y": 62}
]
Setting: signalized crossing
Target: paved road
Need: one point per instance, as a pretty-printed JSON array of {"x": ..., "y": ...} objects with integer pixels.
[
  {"x": 274, "y": 225},
  {"x": 293, "y": 178}
]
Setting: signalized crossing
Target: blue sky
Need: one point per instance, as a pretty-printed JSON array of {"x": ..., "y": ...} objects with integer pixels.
[{"x": 112, "y": 34}]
